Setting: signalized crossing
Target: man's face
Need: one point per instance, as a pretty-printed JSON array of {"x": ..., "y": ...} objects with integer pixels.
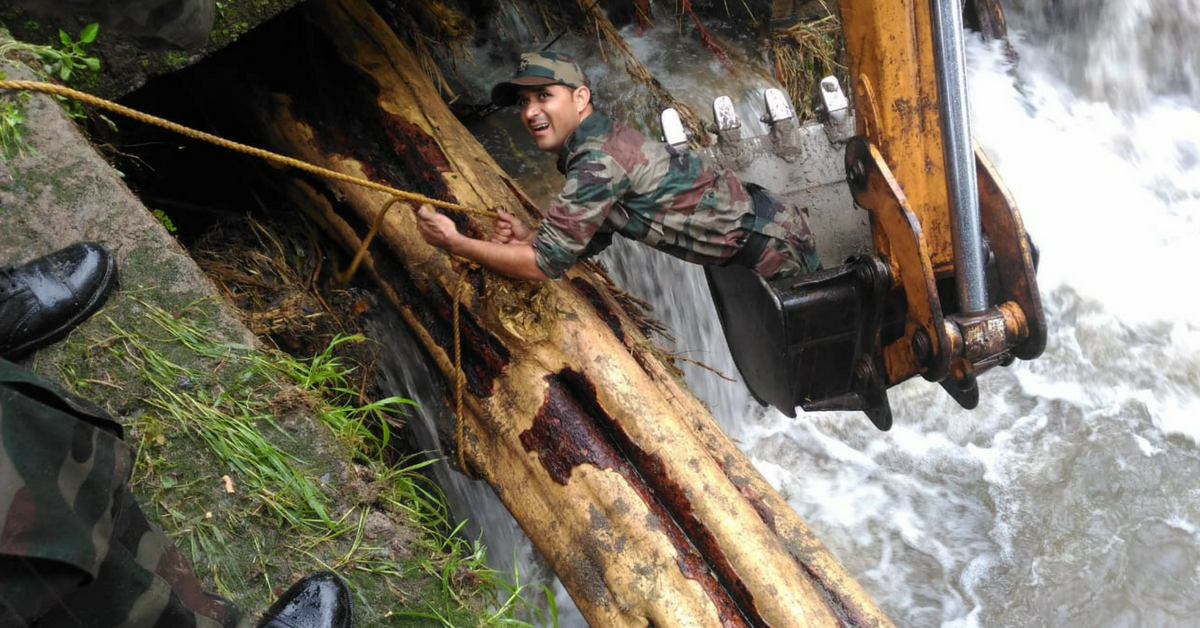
[{"x": 552, "y": 113}]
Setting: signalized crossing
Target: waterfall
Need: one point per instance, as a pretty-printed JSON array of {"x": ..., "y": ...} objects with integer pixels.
[{"x": 1068, "y": 496}]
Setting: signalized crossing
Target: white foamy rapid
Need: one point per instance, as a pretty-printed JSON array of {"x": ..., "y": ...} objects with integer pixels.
[{"x": 1070, "y": 495}]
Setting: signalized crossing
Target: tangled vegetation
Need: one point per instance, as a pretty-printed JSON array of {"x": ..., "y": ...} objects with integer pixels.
[{"x": 804, "y": 52}]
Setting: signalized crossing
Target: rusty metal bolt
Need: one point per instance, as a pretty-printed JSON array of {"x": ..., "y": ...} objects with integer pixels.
[
  {"x": 862, "y": 369},
  {"x": 922, "y": 348},
  {"x": 857, "y": 173}
]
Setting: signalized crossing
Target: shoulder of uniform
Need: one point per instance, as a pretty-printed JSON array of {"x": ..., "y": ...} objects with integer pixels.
[{"x": 596, "y": 125}]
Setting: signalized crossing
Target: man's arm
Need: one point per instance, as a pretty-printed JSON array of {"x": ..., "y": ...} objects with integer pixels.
[{"x": 514, "y": 259}]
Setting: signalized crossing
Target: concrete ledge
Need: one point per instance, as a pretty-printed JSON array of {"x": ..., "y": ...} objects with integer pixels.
[{"x": 62, "y": 191}]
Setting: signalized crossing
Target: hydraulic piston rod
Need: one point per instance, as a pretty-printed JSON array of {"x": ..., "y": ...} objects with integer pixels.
[{"x": 967, "y": 234}]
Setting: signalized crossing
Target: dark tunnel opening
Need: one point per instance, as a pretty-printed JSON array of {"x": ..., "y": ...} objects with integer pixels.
[{"x": 233, "y": 213}]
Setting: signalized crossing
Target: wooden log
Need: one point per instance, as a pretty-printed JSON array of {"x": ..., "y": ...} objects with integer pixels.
[
  {"x": 623, "y": 480},
  {"x": 985, "y": 17}
]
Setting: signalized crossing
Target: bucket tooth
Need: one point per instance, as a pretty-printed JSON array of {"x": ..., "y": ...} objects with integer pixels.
[
  {"x": 778, "y": 108},
  {"x": 834, "y": 110},
  {"x": 784, "y": 126},
  {"x": 726, "y": 123},
  {"x": 672, "y": 128}
]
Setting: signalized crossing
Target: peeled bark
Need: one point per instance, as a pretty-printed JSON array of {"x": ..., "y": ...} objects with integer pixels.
[{"x": 645, "y": 509}]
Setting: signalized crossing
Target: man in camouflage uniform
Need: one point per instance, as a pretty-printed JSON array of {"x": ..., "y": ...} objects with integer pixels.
[{"x": 618, "y": 181}]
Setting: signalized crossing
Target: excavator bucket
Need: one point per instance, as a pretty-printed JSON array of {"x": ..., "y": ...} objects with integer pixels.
[
  {"x": 807, "y": 342},
  {"x": 927, "y": 267}
]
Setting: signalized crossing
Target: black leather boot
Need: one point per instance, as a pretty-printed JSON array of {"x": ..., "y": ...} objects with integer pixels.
[
  {"x": 319, "y": 600},
  {"x": 42, "y": 300}
]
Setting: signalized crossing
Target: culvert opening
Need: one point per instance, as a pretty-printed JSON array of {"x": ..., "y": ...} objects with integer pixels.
[
  {"x": 226, "y": 94},
  {"x": 243, "y": 219}
]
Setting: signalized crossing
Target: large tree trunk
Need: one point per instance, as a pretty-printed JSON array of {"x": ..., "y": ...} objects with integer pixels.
[{"x": 644, "y": 508}]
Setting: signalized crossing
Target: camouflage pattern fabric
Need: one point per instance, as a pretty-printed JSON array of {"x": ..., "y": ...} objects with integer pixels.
[
  {"x": 618, "y": 181},
  {"x": 75, "y": 549},
  {"x": 539, "y": 68},
  {"x": 791, "y": 249}
]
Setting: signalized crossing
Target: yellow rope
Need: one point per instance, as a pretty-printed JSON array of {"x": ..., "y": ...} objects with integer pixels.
[
  {"x": 459, "y": 430},
  {"x": 59, "y": 90},
  {"x": 397, "y": 195},
  {"x": 345, "y": 275}
]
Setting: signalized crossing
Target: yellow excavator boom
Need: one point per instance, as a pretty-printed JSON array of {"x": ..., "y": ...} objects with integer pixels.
[{"x": 943, "y": 284}]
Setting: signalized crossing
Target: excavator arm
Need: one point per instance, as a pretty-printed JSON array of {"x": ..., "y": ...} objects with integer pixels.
[{"x": 942, "y": 281}]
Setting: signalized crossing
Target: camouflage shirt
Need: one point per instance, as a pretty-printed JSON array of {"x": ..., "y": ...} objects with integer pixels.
[{"x": 618, "y": 181}]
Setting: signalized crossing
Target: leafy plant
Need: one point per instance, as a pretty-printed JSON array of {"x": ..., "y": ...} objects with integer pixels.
[
  {"x": 61, "y": 62},
  {"x": 70, "y": 58}
]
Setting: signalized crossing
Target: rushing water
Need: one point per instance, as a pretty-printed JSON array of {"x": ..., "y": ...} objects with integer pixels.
[{"x": 1070, "y": 495}]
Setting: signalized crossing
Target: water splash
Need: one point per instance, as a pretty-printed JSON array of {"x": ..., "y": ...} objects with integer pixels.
[{"x": 1130, "y": 53}]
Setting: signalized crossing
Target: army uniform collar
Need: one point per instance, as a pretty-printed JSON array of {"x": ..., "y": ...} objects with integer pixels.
[{"x": 595, "y": 124}]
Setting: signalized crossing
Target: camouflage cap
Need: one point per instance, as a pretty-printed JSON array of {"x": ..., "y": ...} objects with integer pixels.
[{"x": 539, "y": 68}]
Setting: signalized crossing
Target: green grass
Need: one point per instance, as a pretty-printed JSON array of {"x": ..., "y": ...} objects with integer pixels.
[{"x": 308, "y": 468}]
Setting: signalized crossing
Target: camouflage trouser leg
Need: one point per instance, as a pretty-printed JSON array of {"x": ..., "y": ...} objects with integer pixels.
[
  {"x": 32, "y": 588},
  {"x": 185, "y": 23},
  {"x": 66, "y": 515},
  {"x": 143, "y": 581},
  {"x": 791, "y": 249},
  {"x": 785, "y": 257}
]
